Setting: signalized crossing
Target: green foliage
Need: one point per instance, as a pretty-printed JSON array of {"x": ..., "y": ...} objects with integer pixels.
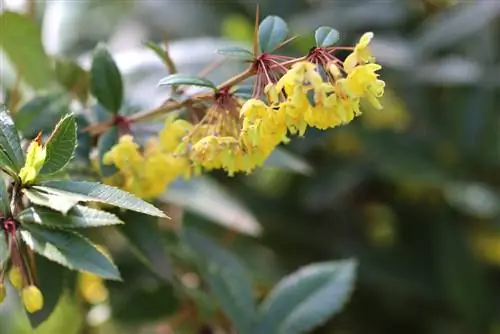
[
  {"x": 4, "y": 198},
  {"x": 21, "y": 41},
  {"x": 236, "y": 52},
  {"x": 326, "y": 36},
  {"x": 106, "y": 81},
  {"x": 181, "y": 79},
  {"x": 272, "y": 31},
  {"x": 106, "y": 141},
  {"x": 60, "y": 146},
  {"x": 9, "y": 142},
  {"x": 4, "y": 248},
  {"x": 73, "y": 78}
]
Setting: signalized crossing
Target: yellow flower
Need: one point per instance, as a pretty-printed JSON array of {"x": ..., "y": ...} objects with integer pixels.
[
  {"x": 362, "y": 81},
  {"x": 361, "y": 53},
  {"x": 35, "y": 158},
  {"x": 302, "y": 75},
  {"x": 32, "y": 299}
]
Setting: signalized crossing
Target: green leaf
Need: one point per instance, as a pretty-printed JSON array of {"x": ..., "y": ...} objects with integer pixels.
[
  {"x": 326, "y": 36},
  {"x": 159, "y": 51},
  {"x": 4, "y": 248},
  {"x": 21, "y": 40},
  {"x": 73, "y": 78},
  {"x": 84, "y": 140},
  {"x": 41, "y": 113},
  {"x": 67, "y": 317},
  {"x": 9, "y": 140},
  {"x": 60, "y": 146},
  {"x": 236, "y": 52},
  {"x": 4, "y": 197},
  {"x": 105, "y": 80},
  {"x": 272, "y": 31},
  {"x": 181, "y": 79},
  {"x": 50, "y": 200},
  {"x": 286, "y": 160},
  {"x": 96, "y": 192},
  {"x": 69, "y": 249},
  {"x": 77, "y": 217},
  {"x": 145, "y": 237},
  {"x": 106, "y": 141},
  {"x": 307, "y": 298},
  {"x": 6, "y": 164},
  {"x": 227, "y": 277}
]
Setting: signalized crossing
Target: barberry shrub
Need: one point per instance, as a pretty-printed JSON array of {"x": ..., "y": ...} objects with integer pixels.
[{"x": 68, "y": 193}]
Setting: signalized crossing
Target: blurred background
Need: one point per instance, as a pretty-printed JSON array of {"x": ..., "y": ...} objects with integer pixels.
[{"x": 411, "y": 191}]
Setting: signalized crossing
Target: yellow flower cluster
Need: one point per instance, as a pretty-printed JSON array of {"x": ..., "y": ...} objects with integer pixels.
[{"x": 237, "y": 137}]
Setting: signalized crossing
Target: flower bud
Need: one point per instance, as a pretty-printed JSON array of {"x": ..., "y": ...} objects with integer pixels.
[
  {"x": 16, "y": 277},
  {"x": 35, "y": 158},
  {"x": 2, "y": 292},
  {"x": 32, "y": 299}
]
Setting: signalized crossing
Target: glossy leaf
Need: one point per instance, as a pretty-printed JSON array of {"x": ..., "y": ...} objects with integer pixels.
[
  {"x": 181, "y": 79},
  {"x": 4, "y": 198},
  {"x": 96, "y": 192},
  {"x": 106, "y": 141},
  {"x": 272, "y": 31},
  {"x": 236, "y": 52},
  {"x": 228, "y": 279},
  {"x": 69, "y": 249},
  {"x": 9, "y": 139},
  {"x": 145, "y": 237},
  {"x": 50, "y": 200},
  {"x": 326, "y": 36},
  {"x": 307, "y": 298},
  {"x": 105, "y": 80},
  {"x": 77, "y": 217},
  {"x": 21, "y": 41},
  {"x": 60, "y": 146}
]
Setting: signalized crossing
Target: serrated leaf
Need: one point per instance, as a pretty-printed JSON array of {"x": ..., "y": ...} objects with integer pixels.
[
  {"x": 272, "y": 31},
  {"x": 77, "y": 217},
  {"x": 105, "y": 80},
  {"x": 182, "y": 79},
  {"x": 326, "y": 36},
  {"x": 73, "y": 78},
  {"x": 60, "y": 146},
  {"x": 228, "y": 279},
  {"x": 4, "y": 248},
  {"x": 96, "y": 192},
  {"x": 21, "y": 40},
  {"x": 4, "y": 198},
  {"x": 106, "y": 141},
  {"x": 9, "y": 139},
  {"x": 145, "y": 238},
  {"x": 68, "y": 249},
  {"x": 307, "y": 298},
  {"x": 50, "y": 200},
  {"x": 41, "y": 113},
  {"x": 236, "y": 52}
]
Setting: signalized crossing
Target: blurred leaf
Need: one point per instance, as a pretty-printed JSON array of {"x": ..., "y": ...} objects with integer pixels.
[
  {"x": 21, "y": 41},
  {"x": 84, "y": 140},
  {"x": 181, "y": 79},
  {"x": 286, "y": 160},
  {"x": 66, "y": 318},
  {"x": 4, "y": 197},
  {"x": 205, "y": 197},
  {"x": 236, "y": 52},
  {"x": 78, "y": 217},
  {"x": 41, "y": 113},
  {"x": 272, "y": 31},
  {"x": 474, "y": 199},
  {"x": 228, "y": 279},
  {"x": 52, "y": 201},
  {"x": 50, "y": 280},
  {"x": 308, "y": 297},
  {"x": 4, "y": 248},
  {"x": 106, "y": 141},
  {"x": 60, "y": 146},
  {"x": 69, "y": 249},
  {"x": 105, "y": 80},
  {"x": 159, "y": 51},
  {"x": 73, "y": 78},
  {"x": 9, "y": 140},
  {"x": 326, "y": 36},
  {"x": 145, "y": 237},
  {"x": 96, "y": 192}
]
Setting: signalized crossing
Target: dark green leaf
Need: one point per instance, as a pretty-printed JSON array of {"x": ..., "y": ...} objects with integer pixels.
[
  {"x": 326, "y": 36},
  {"x": 106, "y": 141},
  {"x": 272, "y": 31},
  {"x": 41, "y": 113},
  {"x": 9, "y": 139},
  {"x": 4, "y": 248},
  {"x": 69, "y": 249},
  {"x": 50, "y": 200},
  {"x": 78, "y": 217},
  {"x": 97, "y": 192},
  {"x": 50, "y": 280},
  {"x": 307, "y": 298},
  {"x": 181, "y": 79},
  {"x": 73, "y": 78},
  {"x": 6, "y": 164},
  {"x": 228, "y": 279},
  {"x": 106, "y": 80},
  {"x": 84, "y": 140},
  {"x": 21, "y": 40},
  {"x": 236, "y": 52},
  {"x": 60, "y": 146},
  {"x": 145, "y": 237},
  {"x": 285, "y": 160},
  {"x": 4, "y": 197}
]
